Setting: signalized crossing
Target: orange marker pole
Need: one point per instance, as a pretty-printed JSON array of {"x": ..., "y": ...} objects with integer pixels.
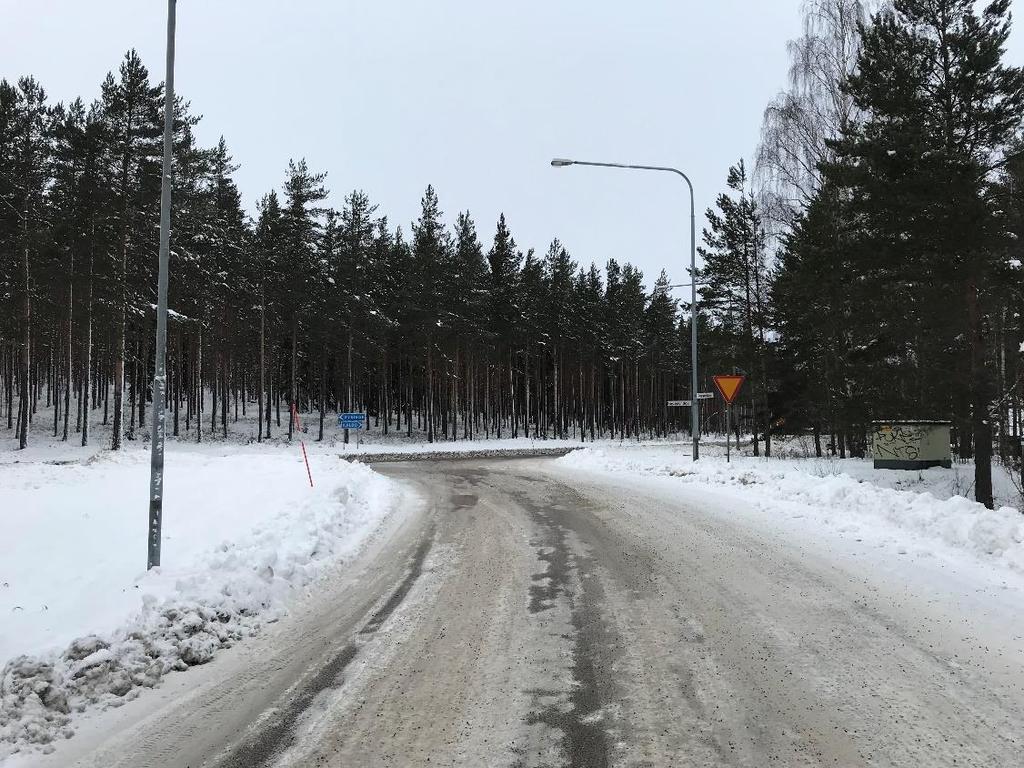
[{"x": 305, "y": 458}]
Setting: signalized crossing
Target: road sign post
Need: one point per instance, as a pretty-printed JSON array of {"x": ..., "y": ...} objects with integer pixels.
[
  {"x": 728, "y": 433},
  {"x": 728, "y": 387},
  {"x": 356, "y": 421},
  {"x": 351, "y": 420}
]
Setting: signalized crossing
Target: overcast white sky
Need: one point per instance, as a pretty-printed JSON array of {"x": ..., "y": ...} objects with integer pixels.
[{"x": 472, "y": 96}]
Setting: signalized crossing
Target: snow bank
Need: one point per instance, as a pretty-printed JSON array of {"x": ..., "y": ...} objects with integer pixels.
[
  {"x": 833, "y": 497},
  {"x": 84, "y": 625},
  {"x": 391, "y": 444}
]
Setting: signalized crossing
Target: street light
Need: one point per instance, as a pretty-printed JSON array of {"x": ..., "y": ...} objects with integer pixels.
[
  {"x": 156, "y": 466},
  {"x": 561, "y": 162}
]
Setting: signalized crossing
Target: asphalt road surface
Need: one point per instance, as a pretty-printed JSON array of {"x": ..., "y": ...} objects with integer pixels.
[{"x": 518, "y": 615}]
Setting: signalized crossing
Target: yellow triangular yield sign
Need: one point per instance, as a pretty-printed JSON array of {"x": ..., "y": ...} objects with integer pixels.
[{"x": 728, "y": 386}]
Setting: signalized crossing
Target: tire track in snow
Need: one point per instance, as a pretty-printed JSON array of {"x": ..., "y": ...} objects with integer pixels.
[{"x": 275, "y": 732}]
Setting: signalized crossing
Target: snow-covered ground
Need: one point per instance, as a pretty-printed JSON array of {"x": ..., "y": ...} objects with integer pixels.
[
  {"x": 83, "y": 623},
  {"x": 243, "y": 430},
  {"x": 906, "y": 512},
  {"x": 84, "y": 626}
]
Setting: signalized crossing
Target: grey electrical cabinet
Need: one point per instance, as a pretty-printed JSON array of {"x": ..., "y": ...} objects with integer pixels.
[{"x": 911, "y": 444}]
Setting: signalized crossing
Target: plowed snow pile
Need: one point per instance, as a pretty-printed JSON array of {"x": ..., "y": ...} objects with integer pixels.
[
  {"x": 909, "y": 508},
  {"x": 82, "y": 624}
]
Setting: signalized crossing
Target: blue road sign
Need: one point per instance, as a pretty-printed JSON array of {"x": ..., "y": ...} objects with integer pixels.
[{"x": 351, "y": 420}]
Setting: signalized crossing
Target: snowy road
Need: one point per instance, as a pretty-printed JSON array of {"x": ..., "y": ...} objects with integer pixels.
[{"x": 527, "y": 615}]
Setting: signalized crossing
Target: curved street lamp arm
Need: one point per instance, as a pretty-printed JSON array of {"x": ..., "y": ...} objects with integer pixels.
[
  {"x": 633, "y": 168},
  {"x": 559, "y": 162}
]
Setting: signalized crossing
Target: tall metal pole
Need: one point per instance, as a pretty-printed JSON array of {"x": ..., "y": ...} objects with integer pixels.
[
  {"x": 156, "y": 476},
  {"x": 695, "y": 406}
]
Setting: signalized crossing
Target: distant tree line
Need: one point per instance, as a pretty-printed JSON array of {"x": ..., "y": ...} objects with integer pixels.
[
  {"x": 867, "y": 266},
  {"x": 434, "y": 331}
]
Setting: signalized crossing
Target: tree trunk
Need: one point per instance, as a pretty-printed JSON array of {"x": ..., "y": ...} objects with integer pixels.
[
  {"x": 69, "y": 349},
  {"x": 197, "y": 386},
  {"x": 430, "y": 390},
  {"x": 26, "y": 353},
  {"x": 323, "y": 394},
  {"x": 261, "y": 388},
  {"x": 981, "y": 425},
  {"x": 292, "y": 379},
  {"x": 348, "y": 368},
  {"x": 177, "y": 382}
]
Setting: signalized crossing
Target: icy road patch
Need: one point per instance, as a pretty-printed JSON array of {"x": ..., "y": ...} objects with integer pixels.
[{"x": 84, "y": 625}]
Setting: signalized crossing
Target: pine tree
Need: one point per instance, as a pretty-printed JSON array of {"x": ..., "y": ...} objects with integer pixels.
[
  {"x": 939, "y": 106},
  {"x": 29, "y": 131},
  {"x": 433, "y": 334},
  {"x": 301, "y": 228},
  {"x": 662, "y": 348},
  {"x": 72, "y": 195},
  {"x": 469, "y": 314},
  {"x": 131, "y": 110},
  {"x": 504, "y": 261},
  {"x": 353, "y": 275},
  {"x": 431, "y": 250},
  {"x": 593, "y": 336},
  {"x": 267, "y": 248},
  {"x": 559, "y": 272},
  {"x": 736, "y": 282}
]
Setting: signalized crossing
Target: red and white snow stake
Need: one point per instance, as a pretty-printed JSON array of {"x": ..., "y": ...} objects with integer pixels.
[{"x": 305, "y": 458}]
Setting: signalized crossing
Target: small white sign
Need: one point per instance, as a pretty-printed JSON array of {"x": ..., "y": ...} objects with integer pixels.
[
  {"x": 679, "y": 403},
  {"x": 705, "y": 395}
]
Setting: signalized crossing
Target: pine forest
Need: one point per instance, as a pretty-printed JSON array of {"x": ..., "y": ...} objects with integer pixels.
[{"x": 864, "y": 262}]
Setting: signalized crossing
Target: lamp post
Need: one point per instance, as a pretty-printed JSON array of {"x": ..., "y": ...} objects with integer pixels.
[
  {"x": 156, "y": 467},
  {"x": 559, "y": 162}
]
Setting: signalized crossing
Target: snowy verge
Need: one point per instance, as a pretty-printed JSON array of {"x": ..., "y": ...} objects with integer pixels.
[
  {"x": 495, "y": 446},
  {"x": 85, "y": 626},
  {"x": 834, "y": 497}
]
